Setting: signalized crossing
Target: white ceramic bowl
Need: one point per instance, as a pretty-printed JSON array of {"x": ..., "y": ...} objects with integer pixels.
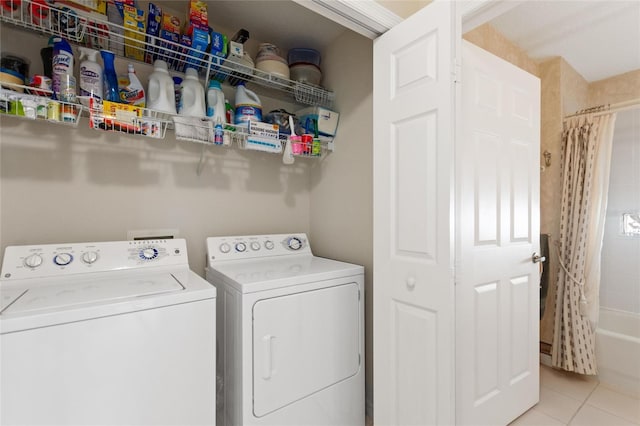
[
  {"x": 306, "y": 73},
  {"x": 275, "y": 67}
]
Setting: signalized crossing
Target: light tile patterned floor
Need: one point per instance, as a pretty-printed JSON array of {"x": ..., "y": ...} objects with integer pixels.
[{"x": 572, "y": 399}]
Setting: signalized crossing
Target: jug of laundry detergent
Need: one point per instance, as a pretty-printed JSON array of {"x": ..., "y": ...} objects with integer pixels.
[
  {"x": 248, "y": 106},
  {"x": 161, "y": 95},
  {"x": 192, "y": 102}
]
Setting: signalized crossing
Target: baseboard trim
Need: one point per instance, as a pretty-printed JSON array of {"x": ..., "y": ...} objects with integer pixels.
[{"x": 545, "y": 359}]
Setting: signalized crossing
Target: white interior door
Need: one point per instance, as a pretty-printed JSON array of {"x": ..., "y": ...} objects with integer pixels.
[
  {"x": 497, "y": 284},
  {"x": 413, "y": 164}
]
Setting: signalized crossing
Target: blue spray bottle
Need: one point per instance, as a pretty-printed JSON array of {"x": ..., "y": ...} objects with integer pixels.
[{"x": 111, "y": 92}]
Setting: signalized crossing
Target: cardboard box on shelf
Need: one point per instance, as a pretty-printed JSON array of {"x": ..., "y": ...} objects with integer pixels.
[
  {"x": 197, "y": 16},
  {"x": 327, "y": 120},
  {"x": 135, "y": 28},
  {"x": 169, "y": 31},
  {"x": 154, "y": 22}
]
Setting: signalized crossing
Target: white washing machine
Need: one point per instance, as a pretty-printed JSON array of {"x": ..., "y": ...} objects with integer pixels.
[
  {"x": 118, "y": 333},
  {"x": 290, "y": 333}
]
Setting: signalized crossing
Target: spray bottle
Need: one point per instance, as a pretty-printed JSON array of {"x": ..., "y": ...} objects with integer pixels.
[
  {"x": 90, "y": 74},
  {"x": 110, "y": 77},
  {"x": 133, "y": 93},
  {"x": 62, "y": 64}
]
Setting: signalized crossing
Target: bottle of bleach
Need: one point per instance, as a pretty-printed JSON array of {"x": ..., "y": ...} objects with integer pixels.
[{"x": 248, "y": 106}]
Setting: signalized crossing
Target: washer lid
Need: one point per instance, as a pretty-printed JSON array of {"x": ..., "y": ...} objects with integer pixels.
[
  {"x": 268, "y": 273},
  {"x": 65, "y": 295}
]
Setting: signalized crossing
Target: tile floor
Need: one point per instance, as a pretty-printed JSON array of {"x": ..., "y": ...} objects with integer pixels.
[{"x": 572, "y": 399}]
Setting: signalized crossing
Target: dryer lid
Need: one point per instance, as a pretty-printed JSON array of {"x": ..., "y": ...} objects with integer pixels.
[{"x": 88, "y": 292}]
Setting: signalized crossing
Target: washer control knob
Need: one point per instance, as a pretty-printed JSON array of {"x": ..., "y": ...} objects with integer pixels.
[
  {"x": 33, "y": 261},
  {"x": 148, "y": 253},
  {"x": 255, "y": 246},
  {"x": 269, "y": 245},
  {"x": 63, "y": 259},
  {"x": 89, "y": 257},
  {"x": 294, "y": 243},
  {"x": 241, "y": 247},
  {"x": 225, "y": 248}
]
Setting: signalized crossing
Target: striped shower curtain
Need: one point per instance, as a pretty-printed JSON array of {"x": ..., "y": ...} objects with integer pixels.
[{"x": 586, "y": 159}]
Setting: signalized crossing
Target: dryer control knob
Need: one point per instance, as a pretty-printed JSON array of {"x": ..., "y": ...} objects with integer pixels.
[
  {"x": 148, "y": 253},
  {"x": 255, "y": 246},
  {"x": 269, "y": 245},
  {"x": 33, "y": 261},
  {"x": 89, "y": 257},
  {"x": 63, "y": 259},
  {"x": 241, "y": 247},
  {"x": 294, "y": 243},
  {"x": 225, "y": 248}
]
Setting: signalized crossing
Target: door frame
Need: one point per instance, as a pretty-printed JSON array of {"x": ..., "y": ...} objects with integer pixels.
[{"x": 370, "y": 19}]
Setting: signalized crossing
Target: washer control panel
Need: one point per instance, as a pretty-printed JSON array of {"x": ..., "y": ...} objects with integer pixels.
[
  {"x": 255, "y": 246},
  {"x": 64, "y": 259}
]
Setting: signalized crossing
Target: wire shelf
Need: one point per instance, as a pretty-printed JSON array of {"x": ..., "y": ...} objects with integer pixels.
[
  {"x": 123, "y": 118},
  {"x": 21, "y": 102},
  {"x": 93, "y": 30}
]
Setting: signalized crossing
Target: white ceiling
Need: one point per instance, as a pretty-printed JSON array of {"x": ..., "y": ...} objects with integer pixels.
[{"x": 598, "y": 38}]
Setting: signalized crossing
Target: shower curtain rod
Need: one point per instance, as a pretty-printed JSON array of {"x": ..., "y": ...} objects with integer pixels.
[{"x": 606, "y": 109}]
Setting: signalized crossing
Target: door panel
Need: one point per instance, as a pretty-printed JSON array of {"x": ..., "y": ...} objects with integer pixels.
[
  {"x": 497, "y": 160},
  {"x": 413, "y": 286}
]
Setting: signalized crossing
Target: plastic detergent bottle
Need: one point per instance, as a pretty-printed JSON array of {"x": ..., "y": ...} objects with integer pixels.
[
  {"x": 90, "y": 74},
  {"x": 62, "y": 64},
  {"x": 110, "y": 78},
  {"x": 248, "y": 106},
  {"x": 133, "y": 92},
  {"x": 192, "y": 102},
  {"x": 215, "y": 101},
  {"x": 160, "y": 94}
]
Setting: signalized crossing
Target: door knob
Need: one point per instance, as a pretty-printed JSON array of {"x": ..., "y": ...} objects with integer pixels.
[
  {"x": 411, "y": 283},
  {"x": 536, "y": 258}
]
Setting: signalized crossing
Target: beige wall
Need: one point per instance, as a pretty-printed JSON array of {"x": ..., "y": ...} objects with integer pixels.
[
  {"x": 61, "y": 184},
  {"x": 619, "y": 88},
  {"x": 486, "y": 37},
  {"x": 341, "y": 185},
  {"x": 404, "y": 8}
]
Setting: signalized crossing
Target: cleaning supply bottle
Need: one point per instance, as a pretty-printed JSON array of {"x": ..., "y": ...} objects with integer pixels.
[
  {"x": 90, "y": 74},
  {"x": 133, "y": 92},
  {"x": 248, "y": 106},
  {"x": 62, "y": 64},
  {"x": 215, "y": 102},
  {"x": 160, "y": 95},
  {"x": 192, "y": 102},
  {"x": 110, "y": 78}
]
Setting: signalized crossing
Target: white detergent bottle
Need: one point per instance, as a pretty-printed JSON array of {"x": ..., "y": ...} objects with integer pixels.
[
  {"x": 192, "y": 102},
  {"x": 160, "y": 95},
  {"x": 248, "y": 106},
  {"x": 215, "y": 102},
  {"x": 90, "y": 74}
]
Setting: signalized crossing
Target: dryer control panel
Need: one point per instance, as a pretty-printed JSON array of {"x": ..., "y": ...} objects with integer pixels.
[
  {"x": 256, "y": 246},
  {"x": 49, "y": 260}
]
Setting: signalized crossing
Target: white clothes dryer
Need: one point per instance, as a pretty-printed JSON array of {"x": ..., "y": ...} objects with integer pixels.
[
  {"x": 118, "y": 333},
  {"x": 290, "y": 333}
]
